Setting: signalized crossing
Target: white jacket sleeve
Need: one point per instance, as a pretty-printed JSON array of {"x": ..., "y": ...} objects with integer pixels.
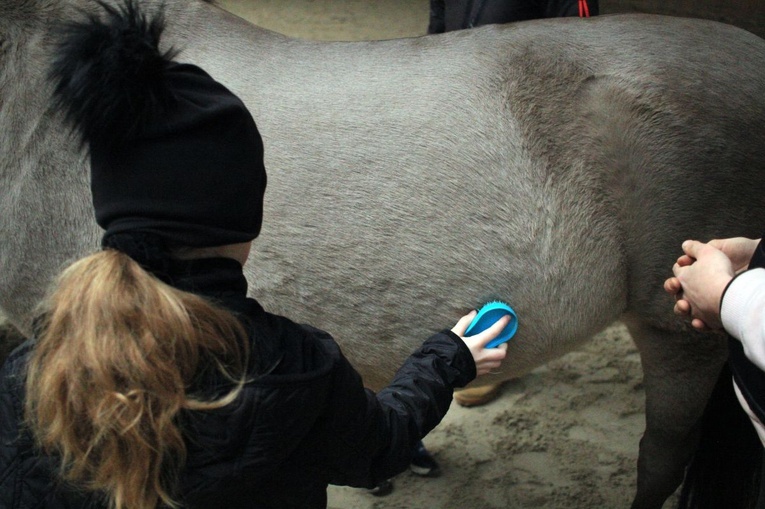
[{"x": 742, "y": 313}]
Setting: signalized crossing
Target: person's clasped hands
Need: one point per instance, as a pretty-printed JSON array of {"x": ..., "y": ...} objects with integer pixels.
[{"x": 701, "y": 275}]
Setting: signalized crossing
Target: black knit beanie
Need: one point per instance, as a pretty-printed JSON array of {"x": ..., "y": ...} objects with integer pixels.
[{"x": 173, "y": 152}]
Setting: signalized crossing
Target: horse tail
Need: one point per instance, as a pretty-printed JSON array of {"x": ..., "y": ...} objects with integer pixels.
[{"x": 725, "y": 471}]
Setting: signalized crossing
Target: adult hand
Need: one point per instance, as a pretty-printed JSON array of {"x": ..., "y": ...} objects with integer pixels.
[
  {"x": 701, "y": 276},
  {"x": 739, "y": 251},
  {"x": 486, "y": 359}
]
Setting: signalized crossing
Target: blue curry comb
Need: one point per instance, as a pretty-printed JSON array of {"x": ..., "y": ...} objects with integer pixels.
[{"x": 487, "y": 315}]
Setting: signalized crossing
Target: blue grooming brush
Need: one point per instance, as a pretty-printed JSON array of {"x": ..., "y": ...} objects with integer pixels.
[{"x": 487, "y": 315}]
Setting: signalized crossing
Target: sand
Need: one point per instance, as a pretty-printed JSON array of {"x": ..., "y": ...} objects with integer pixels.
[{"x": 564, "y": 436}]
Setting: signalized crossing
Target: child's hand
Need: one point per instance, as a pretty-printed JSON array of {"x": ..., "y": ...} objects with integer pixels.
[{"x": 486, "y": 359}]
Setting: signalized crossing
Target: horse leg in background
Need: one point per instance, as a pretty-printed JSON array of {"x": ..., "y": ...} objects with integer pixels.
[
  {"x": 567, "y": 8},
  {"x": 679, "y": 374},
  {"x": 448, "y": 15}
]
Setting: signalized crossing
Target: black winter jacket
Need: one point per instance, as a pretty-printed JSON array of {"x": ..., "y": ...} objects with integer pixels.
[{"x": 303, "y": 421}]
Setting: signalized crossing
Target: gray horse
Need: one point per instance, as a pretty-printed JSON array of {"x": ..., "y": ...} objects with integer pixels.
[{"x": 556, "y": 165}]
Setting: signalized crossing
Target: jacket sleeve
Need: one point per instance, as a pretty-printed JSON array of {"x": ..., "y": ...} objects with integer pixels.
[
  {"x": 370, "y": 437},
  {"x": 742, "y": 311}
]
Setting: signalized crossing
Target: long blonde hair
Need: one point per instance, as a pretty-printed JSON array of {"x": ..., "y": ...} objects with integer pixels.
[{"x": 110, "y": 372}]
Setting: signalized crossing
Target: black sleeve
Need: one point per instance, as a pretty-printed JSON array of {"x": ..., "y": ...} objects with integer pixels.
[
  {"x": 370, "y": 437},
  {"x": 758, "y": 257}
]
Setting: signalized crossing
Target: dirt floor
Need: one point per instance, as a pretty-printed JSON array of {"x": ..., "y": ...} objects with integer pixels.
[{"x": 564, "y": 436}]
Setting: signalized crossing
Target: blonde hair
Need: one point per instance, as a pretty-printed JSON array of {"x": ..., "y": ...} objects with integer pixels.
[{"x": 110, "y": 372}]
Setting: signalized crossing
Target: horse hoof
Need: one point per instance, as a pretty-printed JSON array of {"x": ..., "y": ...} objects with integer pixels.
[{"x": 476, "y": 396}]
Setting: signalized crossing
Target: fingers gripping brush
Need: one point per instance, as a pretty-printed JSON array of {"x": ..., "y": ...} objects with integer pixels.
[{"x": 487, "y": 316}]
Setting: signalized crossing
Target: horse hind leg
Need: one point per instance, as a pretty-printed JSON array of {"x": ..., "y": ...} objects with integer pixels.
[{"x": 680, "y": 370}]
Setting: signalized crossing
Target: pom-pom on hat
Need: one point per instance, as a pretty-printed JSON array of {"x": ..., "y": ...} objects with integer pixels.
[{"x": 172, "y": 151}]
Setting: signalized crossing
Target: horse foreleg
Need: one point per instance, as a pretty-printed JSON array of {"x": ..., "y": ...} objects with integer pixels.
[{"x": 679, "y": 373}]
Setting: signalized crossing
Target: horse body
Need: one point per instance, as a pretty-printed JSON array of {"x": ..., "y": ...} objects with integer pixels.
[{"x": 556, "y": 165}]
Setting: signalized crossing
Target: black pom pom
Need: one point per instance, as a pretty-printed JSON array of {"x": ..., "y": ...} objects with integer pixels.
[{"x": 109, "y": 74}]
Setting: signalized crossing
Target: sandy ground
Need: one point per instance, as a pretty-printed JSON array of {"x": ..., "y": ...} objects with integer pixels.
[{"x": 564, "y": 436}]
